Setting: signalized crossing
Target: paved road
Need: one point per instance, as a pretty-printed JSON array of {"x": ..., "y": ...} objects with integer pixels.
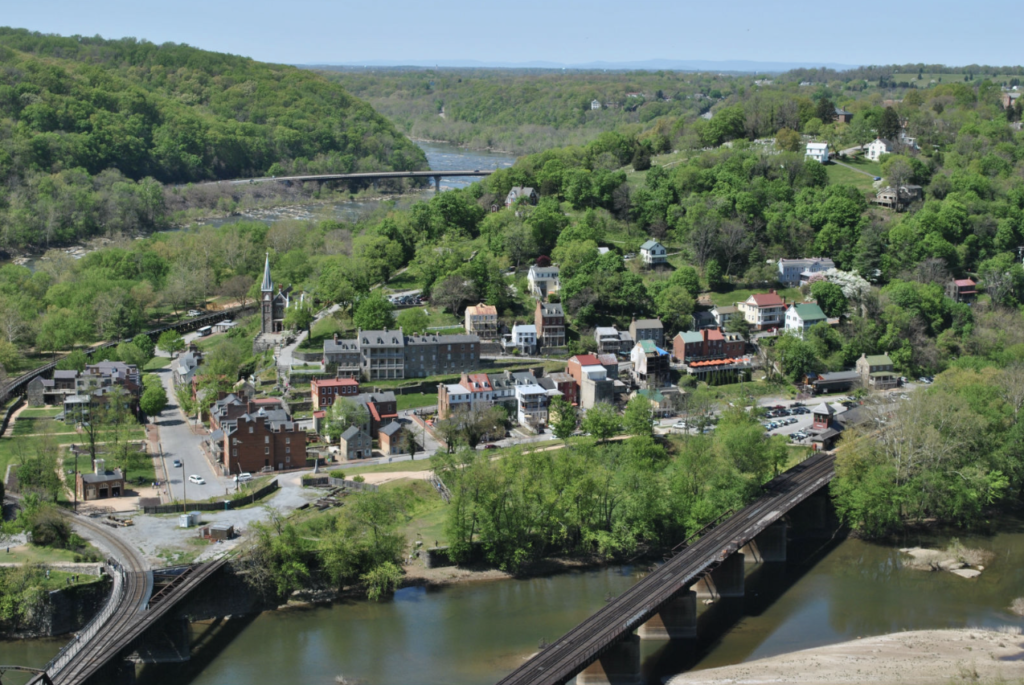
[{"x": 179, "y": 442}]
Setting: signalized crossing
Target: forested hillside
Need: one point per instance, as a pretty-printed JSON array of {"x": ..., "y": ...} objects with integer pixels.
[
  {"x": 524, "y": 111},
  {"x": 89, "y": 126}
]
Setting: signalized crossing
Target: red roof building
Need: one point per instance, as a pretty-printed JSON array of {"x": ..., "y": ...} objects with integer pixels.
[
  {"x": 326, "y": 390},
  {"x": 962, "y": 290}
]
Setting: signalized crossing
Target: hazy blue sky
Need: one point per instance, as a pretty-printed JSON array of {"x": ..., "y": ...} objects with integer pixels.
[{"x": 566, "y": 31}]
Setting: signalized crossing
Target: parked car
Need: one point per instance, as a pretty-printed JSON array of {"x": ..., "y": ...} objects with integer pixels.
[
  {"x": 681, "y": 425},
  {"x": 490, "y": 446},
  {"x": 177, "y": 463},
  {"x": 243, "y": 478},
  {"x": 198, "y": 480},
  {"x": 193, "y": 313}
]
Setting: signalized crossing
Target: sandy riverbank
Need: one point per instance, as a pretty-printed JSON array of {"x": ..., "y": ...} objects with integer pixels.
[{"x": 923, "y": 657}]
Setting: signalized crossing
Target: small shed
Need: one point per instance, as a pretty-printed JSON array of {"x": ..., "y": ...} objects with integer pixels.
[{"x": 222, "y": 531}]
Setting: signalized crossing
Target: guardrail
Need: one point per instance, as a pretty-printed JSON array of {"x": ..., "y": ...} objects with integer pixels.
[
  {"x": 82, "y": 638},
  {"x": 9, "y": 413}
]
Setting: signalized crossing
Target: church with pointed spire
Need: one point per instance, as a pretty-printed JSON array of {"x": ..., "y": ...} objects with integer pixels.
[{"x": 273, "y": 305}]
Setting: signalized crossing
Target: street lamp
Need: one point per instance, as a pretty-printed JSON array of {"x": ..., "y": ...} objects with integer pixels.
[{"x": 184, "y": 497}]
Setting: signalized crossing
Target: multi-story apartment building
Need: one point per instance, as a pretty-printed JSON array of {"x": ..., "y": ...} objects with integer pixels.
[
  {"x": 344, "y": 356},
  {"x": 549, "y": 320},
  {"x": 482, "y": 320},
  {"x": 265, "y": 439},
  {"x": 378, "y": 355},
  {"x": 764, "y": 310},
  {"x": 382, "y": 354}
]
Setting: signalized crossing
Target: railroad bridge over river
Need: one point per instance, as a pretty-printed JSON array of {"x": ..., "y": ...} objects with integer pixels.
[{"x": 604, "y": 650}]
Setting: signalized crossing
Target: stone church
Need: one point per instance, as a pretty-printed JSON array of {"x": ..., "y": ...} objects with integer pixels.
[{"x": 273, "y": 304}]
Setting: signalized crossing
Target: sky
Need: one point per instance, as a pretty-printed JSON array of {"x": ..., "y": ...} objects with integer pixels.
[{"x": 949, "y": 32}]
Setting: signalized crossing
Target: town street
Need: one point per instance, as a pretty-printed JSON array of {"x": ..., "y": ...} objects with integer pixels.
[{"x": 179, "y": 442}]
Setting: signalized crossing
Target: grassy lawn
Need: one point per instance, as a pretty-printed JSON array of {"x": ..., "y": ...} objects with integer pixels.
[
  {"x": 31, "y": 554},
  {"x": 157, "y": 363},
  {"x": 402, "y": 282},
  {"x": 413, "y": 401},
  {"x": 39, "y": 413},
  {"x": 840, "y": 175},
  {"x": 741, "y": 294}
]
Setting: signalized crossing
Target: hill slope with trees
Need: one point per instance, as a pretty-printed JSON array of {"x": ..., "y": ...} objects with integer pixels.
[{"x": 88, "y": 127}]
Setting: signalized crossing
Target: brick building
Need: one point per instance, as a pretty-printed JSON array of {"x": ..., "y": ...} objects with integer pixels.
[
  {"x": 326, "y": 390},
  {"x": 549, "y": 320},
  {"x": 264, "y": 439}
]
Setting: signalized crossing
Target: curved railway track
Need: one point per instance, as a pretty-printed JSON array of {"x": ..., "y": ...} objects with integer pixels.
[
  {"x": 92, "y": 655},
  {"x": 582, "y": 645}
]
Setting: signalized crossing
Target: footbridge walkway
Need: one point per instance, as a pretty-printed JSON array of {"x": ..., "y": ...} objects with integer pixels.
[
  {"x": 362, "y": 176},
  {"x": 605, "y": 641}
]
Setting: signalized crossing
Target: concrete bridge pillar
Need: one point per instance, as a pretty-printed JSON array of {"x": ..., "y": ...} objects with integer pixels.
[
  {"x": 769, "y": 546},
  {"x": 676, "y": 620},
  {"x": 725, "y": 581},
  {"x": 620, "y": 665},
  {"x": 168, "y": 642},
  {"x": 437, "y": 184}
]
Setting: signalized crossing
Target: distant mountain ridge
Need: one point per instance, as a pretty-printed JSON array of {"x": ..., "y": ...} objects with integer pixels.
[{"x": 743, "y": 66}]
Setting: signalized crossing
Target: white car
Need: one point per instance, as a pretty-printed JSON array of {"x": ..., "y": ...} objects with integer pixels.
[
  {"x": 193, "y": 313},
  {"x": 243, "y": 478},
  {"x": 681, "y": 425},
  {"x": 198, "y": 480}
]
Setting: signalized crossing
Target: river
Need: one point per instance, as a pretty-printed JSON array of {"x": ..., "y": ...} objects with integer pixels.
[
  {"x": 440, "y": 157},
  {"x": 475, "y": 633}
]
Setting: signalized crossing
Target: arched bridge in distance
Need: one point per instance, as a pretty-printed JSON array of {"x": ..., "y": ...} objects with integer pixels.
[
  {"x": 362, "y": 176},
  {"x": 603, "y": 649}
]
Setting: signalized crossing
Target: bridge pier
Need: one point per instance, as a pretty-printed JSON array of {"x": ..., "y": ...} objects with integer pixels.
[
  {"x": 437, "y": 184},
  {"x": 768, "y": 547},
  {"x": 619, "y": 665},
  {"x": 165, "y": 643},
  {"x": 726, "y": 580},
  {"x": 676, "y": 620}
]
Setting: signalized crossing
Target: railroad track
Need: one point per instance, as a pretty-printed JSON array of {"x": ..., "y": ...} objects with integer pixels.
[
  {"x": 91, "y": 654},
  {"x": 582, "y": 645}
]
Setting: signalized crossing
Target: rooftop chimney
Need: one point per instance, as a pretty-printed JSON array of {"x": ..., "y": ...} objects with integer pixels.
[{"x": 99, "y": 466}]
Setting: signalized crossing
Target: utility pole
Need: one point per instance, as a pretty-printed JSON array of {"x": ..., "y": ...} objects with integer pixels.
[
  {"x": 75, "y": 452},
  {"x": 184, "y": 496}
]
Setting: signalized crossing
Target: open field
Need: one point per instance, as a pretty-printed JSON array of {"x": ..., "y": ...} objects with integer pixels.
[{"x": 841, "y": 175}]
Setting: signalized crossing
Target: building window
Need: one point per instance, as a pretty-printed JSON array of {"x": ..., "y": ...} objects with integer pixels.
[
  {"x": 266, "y": 450},
  {"x": 266, "y": 439}
]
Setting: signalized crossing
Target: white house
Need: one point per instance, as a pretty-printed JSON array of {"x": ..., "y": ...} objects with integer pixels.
[
  {"x": 542, "y": 280},
  {"x": 876, "y": 148},
  {"x": 722, "y": 314},
  {"x": 800, "y": 317},
  {"x": 524, "y": 336},
  {"x": 595, "y": 104},
  {"x": 793, "y": 272},
  {"x": 817, "y": 151},
  {"x": 531, "y": 405},
  {"x": 653, "y": 253},
  {"x": 763, "y": 310}
]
